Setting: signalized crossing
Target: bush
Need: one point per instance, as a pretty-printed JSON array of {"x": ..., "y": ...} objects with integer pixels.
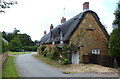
[
  {"x": 29, "y": 48},
  {"x": 65, "y": 55},
  {"x": 15, "y": 45},
  {"x": 45, "y": 53},
  {"x": 54, "y": 53},
  {"x": 5, "y": 46},
  {"x": 41, "y": 49}
]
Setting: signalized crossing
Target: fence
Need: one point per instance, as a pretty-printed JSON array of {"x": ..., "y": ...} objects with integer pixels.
[{"x": 104, "y": 60}]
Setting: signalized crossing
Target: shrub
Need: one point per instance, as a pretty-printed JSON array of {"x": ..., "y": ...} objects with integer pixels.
[
  {"x": 15, "y": 45},
  {"x": 5, "y": 46},
  {"x": 65, "y": 54},
  {"x": 30, "y": 48},
  {"x": 45, "y": 53},
  {"x": 41, "y": 48},
  {"x": 54, "y": 53}
]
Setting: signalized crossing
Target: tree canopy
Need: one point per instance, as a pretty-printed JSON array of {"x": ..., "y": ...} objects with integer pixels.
[
  {"x": 6, "y": 4},
  {"x": 114, "y": 41},
  {"x": 19, "y": 41},
  {"x": 15, "y": 45}
]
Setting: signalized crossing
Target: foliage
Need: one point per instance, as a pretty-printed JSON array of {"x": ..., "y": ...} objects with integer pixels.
[
  {"x": 8, "y": 36},
  {"x": 9, "y": 68},
  {"x": 114, "y": 42},
  {"x": 42, "y": 48},
  {"x": 117, "y": 15},
  {"x": 15, "y": 45},
  {"x": 65, "y": 54},
  {"x": 45, "y": 53},
  {"x": 35, "y": 42},
  {"x": 5, "y": 4},
  {"x": 25, "y": 40},
  {"x": 62, "y": 55},
  {"x": 5, "y": 46},
  {"x": 0, "y": 42},
  {"x": 29, "y": 48},
  {"x": 53, "y": 53}
]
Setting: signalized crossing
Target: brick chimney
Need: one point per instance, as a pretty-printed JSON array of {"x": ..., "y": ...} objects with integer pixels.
[
  {"x": 51, "y": 27},
  {"x": 45, "y": 32},
  {"x": 63, "y": 20},
  {"x": 86, "y": 6}
]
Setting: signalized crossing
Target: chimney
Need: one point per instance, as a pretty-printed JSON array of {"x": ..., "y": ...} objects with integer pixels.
[
  {"x": 63, "y": 20},
  {"x": 51, "y": 27},
  {"x": 86, "y": 6},
  {"x": 45, "y": 32}
]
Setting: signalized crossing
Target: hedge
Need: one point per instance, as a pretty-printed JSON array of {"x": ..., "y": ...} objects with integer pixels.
[
  {"x": 29, "y": 48},
  {"x": 5, "y": 46}
]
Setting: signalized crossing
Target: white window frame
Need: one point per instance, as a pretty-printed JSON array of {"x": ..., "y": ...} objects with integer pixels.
[
  {"x": 61, "y": 37},
  {"x": 95, "y": 51}
]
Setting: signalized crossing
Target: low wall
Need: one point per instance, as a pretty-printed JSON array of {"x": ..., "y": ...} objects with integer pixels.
[
  {"x": 3, "y": 57},
  {"x": 0, "y": 60}
]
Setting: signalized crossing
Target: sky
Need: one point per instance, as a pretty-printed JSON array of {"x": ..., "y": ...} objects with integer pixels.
[{"x": 33, "y": 17}]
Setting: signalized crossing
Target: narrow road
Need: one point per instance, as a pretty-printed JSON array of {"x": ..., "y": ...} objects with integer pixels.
[{"x": 29, "y": 66}]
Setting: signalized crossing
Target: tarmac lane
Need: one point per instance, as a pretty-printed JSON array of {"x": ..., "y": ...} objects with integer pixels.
[{"x": 29, "y": 66}]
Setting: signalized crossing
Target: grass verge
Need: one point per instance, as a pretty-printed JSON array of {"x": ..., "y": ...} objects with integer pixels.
[
  {"x": 53, "y": 63},
  {"x": 18, "y": 53},
  {"x": 9, "y": 68},
  {"x": 72, "y": 68}
]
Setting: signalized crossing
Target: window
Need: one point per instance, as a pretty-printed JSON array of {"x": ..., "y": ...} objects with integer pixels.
[
  {"x": 95, "y": 51},
  {"x": 89, "y": 25}
]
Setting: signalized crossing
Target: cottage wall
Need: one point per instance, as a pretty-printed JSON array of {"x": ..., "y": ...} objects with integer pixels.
[
  {"x": 89, "y": 39},
  {"x": 48, "y": 46}
]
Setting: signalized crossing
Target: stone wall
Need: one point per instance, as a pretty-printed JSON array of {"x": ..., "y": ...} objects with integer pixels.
[
  {"x": 3, "y": 58},
  {"x": 48, "y": 46},
  {"x": 89, "y": 39}
]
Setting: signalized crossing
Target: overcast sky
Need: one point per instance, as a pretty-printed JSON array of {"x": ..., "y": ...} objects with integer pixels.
[{"x": 35, "y": 16}]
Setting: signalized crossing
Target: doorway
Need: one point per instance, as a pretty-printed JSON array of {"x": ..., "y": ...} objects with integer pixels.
[{"x": 75, "y": 57}]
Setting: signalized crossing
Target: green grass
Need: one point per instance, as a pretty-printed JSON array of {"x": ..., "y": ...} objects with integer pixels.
[
  {"x": 18, "y": 53},
  {"x": 9, "y": 68},
  {"x": 53, "y": 63}
]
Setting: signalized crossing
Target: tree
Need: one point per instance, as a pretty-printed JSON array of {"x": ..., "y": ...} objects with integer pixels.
[
  {"x": 36, "y": 42},
  {"x": 114, "y": 41},
  {"x": 10, "y": 36},
  {"x": 15, "y": 45},
  {"x": 5, "y": 4},
  {"x": 25, "y": 40}
]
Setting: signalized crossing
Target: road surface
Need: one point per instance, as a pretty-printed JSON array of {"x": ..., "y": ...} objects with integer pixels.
[{"x": 29, "y": 66}]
